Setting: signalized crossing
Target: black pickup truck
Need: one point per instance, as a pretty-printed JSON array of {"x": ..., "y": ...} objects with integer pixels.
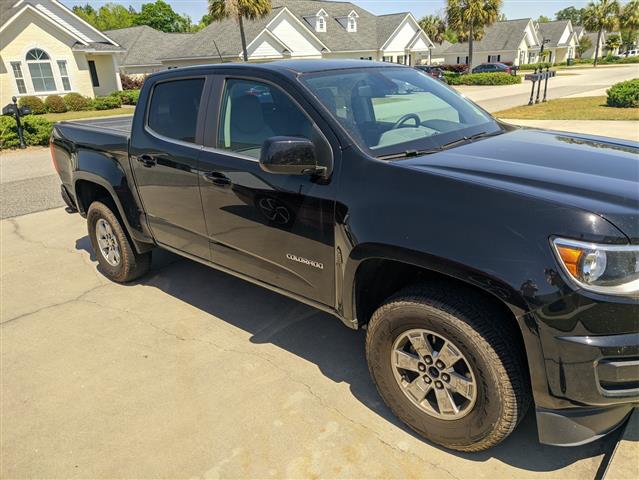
[{"x": 492, "y": 266}]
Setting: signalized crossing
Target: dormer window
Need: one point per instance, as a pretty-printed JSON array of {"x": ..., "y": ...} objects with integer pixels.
[{"x": 320, "y": 21}]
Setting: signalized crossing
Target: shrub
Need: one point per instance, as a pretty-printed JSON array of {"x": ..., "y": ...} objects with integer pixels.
[
  {"x": 55, "y": 104},
  {"x": 76, "y": 102},
  {"x": 106, "y": 103},
  {"x": 37, "y": 131},
  {"x": 8, "y": 133},
  {"x": 454, "y": 67},
  {"x": 500, "y": 78},
  {"x": 132, "y": 83},
  {"x": 34, "y": 103},
  {"x": 127, "y": 97},
  {"x": 532, "y": 66},
  {"x": 624, "y": 94},
  {"x": 628, "y": 60}
]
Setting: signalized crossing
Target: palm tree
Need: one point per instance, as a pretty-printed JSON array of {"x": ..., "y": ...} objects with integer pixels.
[
  {"x": 613, "y": 42},
  {"x": 469, "y": 18},
  {"x": 434, "y": 26},
  {"x": 599, "y": 16},
  {"x": 240, "y": 10},
  {"x": 629, "y": 20}
]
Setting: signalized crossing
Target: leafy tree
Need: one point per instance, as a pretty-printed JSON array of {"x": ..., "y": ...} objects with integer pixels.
[
  {"x": 160, "y": 15},
  {"x": 86, "y": 12},
  {"x": 434, "y": 26},
  {"x": 599, "y": 16},
  {"x": 575, "y": 15},
  {"x": 450, "y": 36},
  {"x": 468, "y": 18},
  {"x": 543, "y": 19},
  {"x": 112, "y": 16},
  {"x": 613, "y": 42},
  {"x": 584, "y": 45},
  {"x": 240, "y": 10},
  {"x": 629, "y": 22}
]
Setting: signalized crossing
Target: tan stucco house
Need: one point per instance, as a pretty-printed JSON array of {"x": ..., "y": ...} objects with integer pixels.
[{"x": 46, "y": 49}]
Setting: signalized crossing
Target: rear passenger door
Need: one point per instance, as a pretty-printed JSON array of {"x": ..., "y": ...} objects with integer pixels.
[
  {"x": 274, "y": 228},
  {"x": 164, "y": 153}
]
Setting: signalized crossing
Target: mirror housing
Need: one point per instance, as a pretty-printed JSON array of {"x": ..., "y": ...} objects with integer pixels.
[{"x": 289, "y": 156}]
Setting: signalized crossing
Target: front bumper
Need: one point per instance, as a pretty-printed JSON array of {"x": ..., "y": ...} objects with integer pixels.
[{"x": 591, "y": 355}]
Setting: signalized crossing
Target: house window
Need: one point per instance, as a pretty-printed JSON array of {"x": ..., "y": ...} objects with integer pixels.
[
  {"x": 17, "y": 73},
  {"x": 387, "y": 58},
  {"x": 462, "y": 60},
  {"x": 41, "y": 72},
  {"x": 494, "y": 58},
  {"x": 365, "y": 58},
  {"x": 352, "y": 24},
  {"x": 531, "y": 57},
  {"x": 321, "y": 24},
  {"x": 64, "y": 75},
  {"x": 94, "y": 74}
]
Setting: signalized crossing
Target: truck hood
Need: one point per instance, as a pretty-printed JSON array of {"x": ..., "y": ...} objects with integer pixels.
[{"x": 597, "y": 174}]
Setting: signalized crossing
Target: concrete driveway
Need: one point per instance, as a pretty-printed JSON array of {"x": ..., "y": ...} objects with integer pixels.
[{"x": 194, "y": 373}]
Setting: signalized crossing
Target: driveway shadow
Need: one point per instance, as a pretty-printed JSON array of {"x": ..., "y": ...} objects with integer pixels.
[{"x": 322, "y": 339}]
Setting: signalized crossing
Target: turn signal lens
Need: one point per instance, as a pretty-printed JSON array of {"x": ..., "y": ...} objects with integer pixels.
[{"x": 602, "y": 268}]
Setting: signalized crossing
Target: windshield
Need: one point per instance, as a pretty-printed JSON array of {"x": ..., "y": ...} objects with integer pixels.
[{"x": 395, "y": 109}]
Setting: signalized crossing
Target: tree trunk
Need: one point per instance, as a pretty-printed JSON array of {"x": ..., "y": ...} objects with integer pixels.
[
  {"x": 597, "y": 47},
  {"x": 470, "y": 49},
  {"x": 241, "y": 23}
]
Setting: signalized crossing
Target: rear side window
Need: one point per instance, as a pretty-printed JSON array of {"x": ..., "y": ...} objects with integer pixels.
[{"x": 174, "y": 108}]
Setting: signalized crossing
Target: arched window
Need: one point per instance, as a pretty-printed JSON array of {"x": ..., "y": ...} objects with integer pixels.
[{"x": 40, "y": 69}]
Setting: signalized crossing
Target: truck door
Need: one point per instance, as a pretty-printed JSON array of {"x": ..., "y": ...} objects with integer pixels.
[
  {"x": 164, "y": 152},
  {"x": 276, "y": 228}
]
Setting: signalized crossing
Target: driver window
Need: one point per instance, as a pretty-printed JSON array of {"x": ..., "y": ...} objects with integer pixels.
[{"x": 253, "y": 112}]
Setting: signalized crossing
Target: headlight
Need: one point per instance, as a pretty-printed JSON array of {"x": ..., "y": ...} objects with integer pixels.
[{"x": 602, "y": 268}]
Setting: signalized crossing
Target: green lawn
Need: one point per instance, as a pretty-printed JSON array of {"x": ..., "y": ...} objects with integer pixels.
[
  {"x": 583, "y": 108},
  {"x": 58, "y": 117}
]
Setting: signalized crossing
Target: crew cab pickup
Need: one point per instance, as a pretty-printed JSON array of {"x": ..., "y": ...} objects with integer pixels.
[{"x": 492, "y": 266}]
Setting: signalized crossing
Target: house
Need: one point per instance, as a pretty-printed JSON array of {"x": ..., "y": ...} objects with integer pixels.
[
  {"x": 518, "y": 42},
  {"x": 581, "y": 32},
  {"x": 46, "y": 49},
  {"x": 295, "y": 29},
  {"x": 559, "y": 40}
]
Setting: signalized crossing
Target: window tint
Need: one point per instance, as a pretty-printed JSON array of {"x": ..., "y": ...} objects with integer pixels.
[
  {"x": 253, "y": 112},
  {"x": 174, "y": 108}
]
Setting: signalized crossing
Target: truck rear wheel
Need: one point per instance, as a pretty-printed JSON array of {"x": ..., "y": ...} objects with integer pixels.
[
  {"x": 444, "y": 362},
  {"x": 117, "y": 258}
]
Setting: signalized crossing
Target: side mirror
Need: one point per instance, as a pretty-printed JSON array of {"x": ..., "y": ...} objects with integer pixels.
[{"x": 289, "y": 156}]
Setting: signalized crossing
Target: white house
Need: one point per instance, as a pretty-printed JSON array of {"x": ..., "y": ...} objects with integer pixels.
[
  {"x": 518, "y": 42},
  {"x": 294, "y": 29},
  {"x": 581, "y": 32},
  {"x": 46, "y": 49}
]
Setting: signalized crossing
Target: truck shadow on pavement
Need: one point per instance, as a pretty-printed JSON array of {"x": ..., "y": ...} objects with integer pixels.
[{"x": 323, "y": 340}]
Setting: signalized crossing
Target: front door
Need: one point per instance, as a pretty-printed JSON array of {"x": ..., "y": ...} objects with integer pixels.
[
  {"x": 275, "y": 228},
  {"x": 164, "y": 154}
]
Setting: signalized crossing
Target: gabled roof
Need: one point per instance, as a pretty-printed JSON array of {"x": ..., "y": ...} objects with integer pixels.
[
  {"x": 54, "y": 12},
  {"x": 498, "y": 37},
  {"x": 553, "y": 31},
  {"x": 144, "y": 44}
]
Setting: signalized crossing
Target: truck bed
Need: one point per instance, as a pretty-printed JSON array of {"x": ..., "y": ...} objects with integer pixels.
[{"x": 121, "y": 124}]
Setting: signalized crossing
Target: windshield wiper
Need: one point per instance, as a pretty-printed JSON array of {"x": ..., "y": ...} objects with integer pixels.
[{"x": 440, "y": 148}]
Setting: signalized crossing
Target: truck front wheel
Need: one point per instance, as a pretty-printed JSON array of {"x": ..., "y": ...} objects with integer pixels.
[
  {"x": 117, "y": 258},
  {"x": 447, "y": 367}
]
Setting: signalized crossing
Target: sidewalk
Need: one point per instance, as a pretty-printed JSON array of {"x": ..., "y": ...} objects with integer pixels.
[
  {"x": 625, "y": 460},
  {"x": 627, "y": 129}
]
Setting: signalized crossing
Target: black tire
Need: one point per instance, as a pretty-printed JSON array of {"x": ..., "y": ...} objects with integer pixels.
[
  {"x": 131, "y": 265},
  {"x": 488, "y": 342}
]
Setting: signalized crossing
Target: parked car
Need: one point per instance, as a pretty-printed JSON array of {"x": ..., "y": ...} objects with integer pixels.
[
  {"x": 492, "y": 68},
  {"x": 631, "y": 53},
  {"x": 491, "y": 266},
  {"x": 434, "y": 72}
]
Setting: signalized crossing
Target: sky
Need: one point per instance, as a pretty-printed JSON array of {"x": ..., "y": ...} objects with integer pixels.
[{"x": 512, "y": 8}]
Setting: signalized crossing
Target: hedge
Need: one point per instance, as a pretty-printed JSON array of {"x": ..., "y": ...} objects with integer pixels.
[
  {"x": 34, "y": 103},
  {"x": 454, "y": 67},
  {"x": 36, "y": 131},
  {"x": 132, "y": 83},
  {"x": 127, "y": 97},
  {"x": 500, "y": 78},
  {"x": 55, "y": 104},
  {"x": 106, "y": 103},
  {"x": 76, "y": 102},
  {"x": 624, "y": 94},
  {"x": 532, "y": 66}
]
